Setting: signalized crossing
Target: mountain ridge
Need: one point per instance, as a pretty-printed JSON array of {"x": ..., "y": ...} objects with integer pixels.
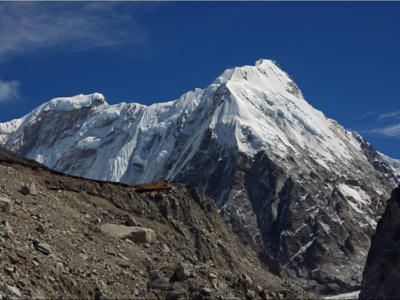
[{"x": 288, "y": 180}]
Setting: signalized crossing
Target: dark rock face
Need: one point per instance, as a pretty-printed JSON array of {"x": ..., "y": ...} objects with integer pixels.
[
  {"x": 376, "y": 160},
  {"x": 381, "y": 276},
  {"x": 316, "y": 223}
]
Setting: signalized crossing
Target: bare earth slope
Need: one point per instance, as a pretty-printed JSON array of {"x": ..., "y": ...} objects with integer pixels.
[{"x": 53, "y": 243}]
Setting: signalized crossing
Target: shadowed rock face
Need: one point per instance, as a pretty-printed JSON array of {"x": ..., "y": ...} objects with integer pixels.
[
  {"x": 306, "y": 217},
  {"x": 381, "y": 277}
]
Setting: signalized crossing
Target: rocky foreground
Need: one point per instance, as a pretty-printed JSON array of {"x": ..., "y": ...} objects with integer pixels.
[
  {"x": 381, "y": 277},
  {"x": 73, "y": 238}
]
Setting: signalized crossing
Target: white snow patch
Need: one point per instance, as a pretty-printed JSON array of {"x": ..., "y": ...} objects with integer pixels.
[
  {"x": 371, "y": 221},
  {"x": 303, "y": 198},
  {"x": 357, "y": 194},
  {"x": 352, "y": 295},
  {"x": 90, "y": 142},
  {"x": 39, "y": 158},
  {"x": 326, "y": 227},
  {"x": 299, "y": 229},
  {"x": 311, "y": 208},
  {"x": 355, "y": 207},
  {"x": 301, "y": 251},
  {"x": 314, "y": 213}
]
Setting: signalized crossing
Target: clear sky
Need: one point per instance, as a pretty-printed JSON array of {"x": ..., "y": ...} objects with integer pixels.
[{"x": 344, "y": 56}]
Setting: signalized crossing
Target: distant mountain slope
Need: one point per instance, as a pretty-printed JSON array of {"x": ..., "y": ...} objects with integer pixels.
[{"x": 287, "y": 179}]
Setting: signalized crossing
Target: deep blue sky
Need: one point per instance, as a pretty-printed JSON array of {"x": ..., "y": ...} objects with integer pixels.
[{"x": 344, "y": 56}]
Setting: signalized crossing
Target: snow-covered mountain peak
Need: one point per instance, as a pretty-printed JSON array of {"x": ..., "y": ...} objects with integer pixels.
[
  {"x": 262, "y": 108},
  {"x": 284, "y": 175},
  {"x": 265, "y": 75},
  {"x": 249, "y": 108},
  {"x": 76, "y": 102},
  {"x": 61, "y": 104}
]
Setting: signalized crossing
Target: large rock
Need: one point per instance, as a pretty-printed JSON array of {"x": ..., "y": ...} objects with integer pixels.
[
  {"x": 382, "y": 269},
  {"x": 44, "y": 248},
  {"x": 135, "y": 234},
  {"x": 182, "y": 272},
  {"x": 29, "y": 189},
  {"x": 32, "y": 189},
  {"x": 11, "y": 291},
  {"x": 5, "y": 205},
  {"x": 131, "y": 222},
  {"x": 158, "y": 281}
]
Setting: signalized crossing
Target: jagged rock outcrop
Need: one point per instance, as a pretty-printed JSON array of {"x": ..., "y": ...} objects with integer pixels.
[
  {"x": 381, "y": 276},
  {"x": 288, "y": 180},
  {"x": 53, "y": 246}
]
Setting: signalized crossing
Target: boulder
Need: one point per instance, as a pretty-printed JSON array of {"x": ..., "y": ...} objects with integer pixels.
[
  {"x": 83, "y": 256},
  {"x": 250, "y": 294},
  {"x": 29, "y": 189},
  {"x": 131, "y": 222},
  {"x": 11, "y": 291},
  {"x": 111, "y": 251},
  {"x": 100, "y": 296},
  {"x": 6, "y": 224},
  {"x": 32, "y": 189},
  {"x": 5, "y": 205},
  {"x": 95, "y": 221},
  {"x": 176, "y": 295},
  {"x": 6, "y": 232},
  {"x": 44, "y": 248},
  {"x": 182, "y": 272},
  {"x": 165, "y": 248},
  {"x": 135, "y": 234},
  {"x": 40, "y": 229},
  {"x": 158, "y": 281}
]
